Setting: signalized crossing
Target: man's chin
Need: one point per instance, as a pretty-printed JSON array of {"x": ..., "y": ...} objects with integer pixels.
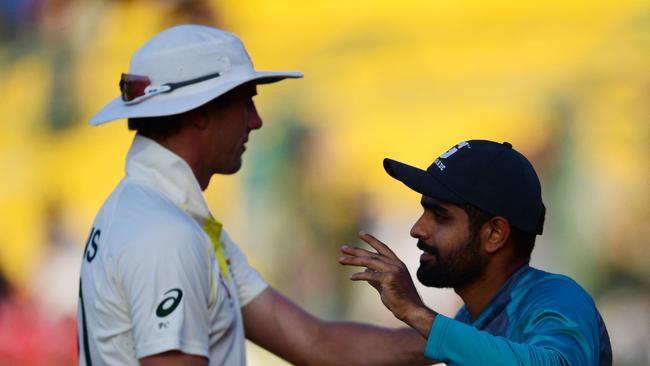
[
  {"x": 231, "y": 169},
  {"x": 230, "y": 172}
]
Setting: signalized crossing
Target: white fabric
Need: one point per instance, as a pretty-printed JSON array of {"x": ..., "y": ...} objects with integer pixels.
[
  {"x": 148, "y": 245},
  {"x": 183, "y": 53}
]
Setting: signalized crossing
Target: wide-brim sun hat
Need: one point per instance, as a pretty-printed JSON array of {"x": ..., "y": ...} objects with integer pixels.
[{"x": 185, "y": 67}]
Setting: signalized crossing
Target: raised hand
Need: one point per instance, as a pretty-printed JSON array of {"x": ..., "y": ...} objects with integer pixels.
[{"x": 390, "y": 277}]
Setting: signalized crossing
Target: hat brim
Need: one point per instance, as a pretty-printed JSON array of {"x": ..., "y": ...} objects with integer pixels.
[
  {"x": 420, "y": 181},
  {"x": 185, "y": 99}
]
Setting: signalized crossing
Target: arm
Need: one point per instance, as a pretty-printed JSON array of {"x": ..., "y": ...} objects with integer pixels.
[
  {"x": 448, "y": 340},
  {"x": 277, "y": 324},
  {"x": 166, "y": 286},
  {"x": 174, "y": 358},
  {"x": 457, "y": 343}
]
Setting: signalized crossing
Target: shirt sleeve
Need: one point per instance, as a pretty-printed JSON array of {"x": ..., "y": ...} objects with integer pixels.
[
  {"x": 456, "y": 343},
  {"x": 248, "y": 281},
  {"x": 165, "y": 279}
]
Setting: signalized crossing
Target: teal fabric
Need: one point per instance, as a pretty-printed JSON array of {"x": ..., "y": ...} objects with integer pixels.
[{"x": 536, "y": 318}]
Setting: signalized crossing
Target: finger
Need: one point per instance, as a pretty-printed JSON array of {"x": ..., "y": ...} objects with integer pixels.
[
  {"x": 357, "y": 252},
  {"x": 360, "y": 252},
  {"x": 375, "y": 284},
  {"x": 374, "y": 263},
  {"x": 375, "y": 277},
  {"x": 378, "y": 245},
  {"x": 354, "y": 250}
]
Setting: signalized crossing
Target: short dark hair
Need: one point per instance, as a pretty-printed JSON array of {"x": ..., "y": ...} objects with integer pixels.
[
  {"x": 157, "y": 127},
  {"x": 524, "y": 242},
  {"x": 165, "y": 126}
]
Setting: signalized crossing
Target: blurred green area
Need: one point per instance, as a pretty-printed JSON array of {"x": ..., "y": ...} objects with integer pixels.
[{"x": 568, "y": 83}]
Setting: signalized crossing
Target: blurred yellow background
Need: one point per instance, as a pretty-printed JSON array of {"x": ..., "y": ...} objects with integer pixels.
[{"x": 566, "y": 82}]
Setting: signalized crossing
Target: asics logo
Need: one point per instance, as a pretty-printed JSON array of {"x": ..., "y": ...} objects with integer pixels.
[{"x": 170, "y": 303}]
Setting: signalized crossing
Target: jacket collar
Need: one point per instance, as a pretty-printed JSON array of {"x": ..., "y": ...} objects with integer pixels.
[{"x": 159, "y": 167}]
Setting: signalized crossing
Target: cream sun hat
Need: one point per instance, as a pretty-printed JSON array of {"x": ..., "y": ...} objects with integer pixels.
[{"x": 182, "y": 68}]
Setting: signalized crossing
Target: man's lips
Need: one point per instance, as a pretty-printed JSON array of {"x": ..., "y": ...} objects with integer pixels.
[
  {"x": 429, "y": 254},
  {"x": 427, "y": 249},
  {"x": 426, "y": 257}
]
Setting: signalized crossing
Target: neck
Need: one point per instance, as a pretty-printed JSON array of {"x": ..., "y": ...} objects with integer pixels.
[{"x": 477, "y": 294}]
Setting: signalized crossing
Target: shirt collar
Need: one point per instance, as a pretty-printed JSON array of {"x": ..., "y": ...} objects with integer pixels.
[
  {"x": 169, "y": 173},
  {"x": 497, "y": 304}
]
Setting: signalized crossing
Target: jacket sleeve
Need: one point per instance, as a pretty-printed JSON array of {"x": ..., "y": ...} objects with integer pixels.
[{"x": 456, "y": 343}]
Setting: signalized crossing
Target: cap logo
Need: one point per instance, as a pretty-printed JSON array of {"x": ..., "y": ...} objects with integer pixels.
[{"x": 449, "y": 153}]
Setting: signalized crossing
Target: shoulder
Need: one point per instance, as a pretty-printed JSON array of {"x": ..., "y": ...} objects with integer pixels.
[
  {"x": 139, "y": 218},
  {"x": 233, "y": 252},
  {"x": 228, "y": 243},
  {"x": 556, "y": 312},
  {"x": 545, "y": 286},
  {"x": 542, "y": 294},
  {"x": 141, "y": 201}
]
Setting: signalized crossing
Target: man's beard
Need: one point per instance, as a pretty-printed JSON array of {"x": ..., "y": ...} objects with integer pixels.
[{"x": 458, "y": 268}]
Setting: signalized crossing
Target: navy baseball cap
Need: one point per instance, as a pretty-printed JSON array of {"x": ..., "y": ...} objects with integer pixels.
[{"x": 491, "y": 176}]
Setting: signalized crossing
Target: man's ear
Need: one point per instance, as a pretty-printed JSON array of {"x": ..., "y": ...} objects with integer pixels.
[
  {"x": 494, "y": 234},
  {"x": 198, "y": 118}
]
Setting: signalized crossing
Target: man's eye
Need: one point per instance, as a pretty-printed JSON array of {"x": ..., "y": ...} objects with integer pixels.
[{"x": 440, "y": 216}]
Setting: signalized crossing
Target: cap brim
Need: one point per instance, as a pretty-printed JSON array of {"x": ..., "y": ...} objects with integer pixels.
[
  {"x": 420, "y": 181},
  {"x": 185, "y": 99}
]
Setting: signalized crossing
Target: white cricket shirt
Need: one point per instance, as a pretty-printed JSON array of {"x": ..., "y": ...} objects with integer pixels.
[{"x": 150, "y": 279}]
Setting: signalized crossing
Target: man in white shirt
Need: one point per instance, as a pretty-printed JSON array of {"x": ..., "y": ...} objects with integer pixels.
[{"x": 161, "y": 282}]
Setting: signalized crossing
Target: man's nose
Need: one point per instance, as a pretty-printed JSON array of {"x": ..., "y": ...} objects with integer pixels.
[
  {"x": 417, "y": 231},
  {"x": 254, "y": 119}
]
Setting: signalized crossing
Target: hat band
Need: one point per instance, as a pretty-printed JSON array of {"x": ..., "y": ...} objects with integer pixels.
[{"x": 135, "y": 88}]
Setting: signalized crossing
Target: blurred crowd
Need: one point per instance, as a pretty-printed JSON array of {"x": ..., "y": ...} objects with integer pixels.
[{"x": 569, "y": 85}]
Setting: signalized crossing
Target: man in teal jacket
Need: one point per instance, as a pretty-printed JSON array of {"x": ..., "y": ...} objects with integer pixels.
[{"x": 482, "y": 211}]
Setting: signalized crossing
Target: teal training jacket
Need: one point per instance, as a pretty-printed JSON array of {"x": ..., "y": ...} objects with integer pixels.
[{"x": 536, "y": 318}]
